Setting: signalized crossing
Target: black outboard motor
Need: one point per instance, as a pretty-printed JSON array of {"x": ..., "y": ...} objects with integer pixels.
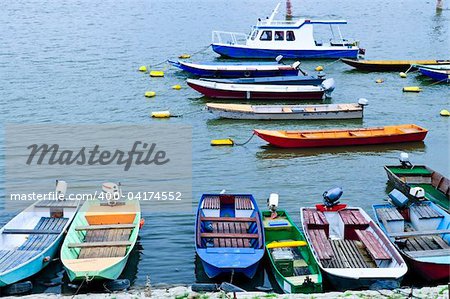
[
  {"x": 331, "y": 197},
  {"x": 404, "y": 160}
]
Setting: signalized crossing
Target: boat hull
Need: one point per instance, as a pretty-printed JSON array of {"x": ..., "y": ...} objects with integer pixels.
[
  {"x": 234, "y": 51},
  {"x": 341, "y": 283},
  {"x": 256, "y": 95},
  {"x": 388, "y": 66},
  {"x": 335, "y": 142},
  {"x": 284, "y": 80},
  {"x": 436, "y": 75},
  {"x": 110, "y": 273},
  {"x": 213, "y": 271}
]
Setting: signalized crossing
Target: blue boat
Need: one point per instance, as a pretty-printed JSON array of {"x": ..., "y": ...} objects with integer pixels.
[
  {"x": 229, "y": 237},
  {"x": 236, "y": 70},
  {"x": 30, "y": 241},
  {"x": 278, "y": 80},
  {"x": 292, "y": 39},
  {"x": 442, "y": 75},
  {"x": 421, "y": 232}
]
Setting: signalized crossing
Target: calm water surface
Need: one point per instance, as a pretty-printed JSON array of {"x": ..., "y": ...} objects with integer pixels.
[{"x": 76, "y": 62}]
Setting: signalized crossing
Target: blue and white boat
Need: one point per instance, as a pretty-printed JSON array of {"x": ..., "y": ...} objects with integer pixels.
[
  {"x": 292, "y": 39},
  {"x": 421, "y": 232},
  {"x": 438, "y": 73},
  {"x": 229, "y": 237},
  {"x": 30, "y": 241},
  {"x": 237, "y": 70},
  {"x": 278, "y": 80}
]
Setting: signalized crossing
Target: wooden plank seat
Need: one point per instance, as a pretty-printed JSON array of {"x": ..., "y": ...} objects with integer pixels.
[
  {"x": 211, "y": 202},
  {"x": 105, "y": 236},
  {"x": 419, "y": 233},
  {"x": 316, "y": 220},
  {"x": 321, "y": 244},
  {"x": 373, "y": 246},
  {"x": 243, "y": 203},
  {"x": 10, "y": 259},
  {"x": 99, "y": 244},
  {"x": 230, "y": 234},
  {"x": 346, "y": 255},
  {"x": 57, "y": 204},
  {"x": 228, "y": 219},
  {"x": 19, "y": 231},
  {"x": 389, "y": 214},
  {"x": 429, "y": 253},
  {"x": 101, "y": 227},
  {"x": 425, "y": 212},
  {"x": 353, "y": 220},
  {"x": 37, "y": 242}
]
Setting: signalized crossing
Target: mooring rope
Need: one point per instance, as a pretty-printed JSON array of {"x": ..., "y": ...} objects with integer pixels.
[{"x": 248, "y": 140}]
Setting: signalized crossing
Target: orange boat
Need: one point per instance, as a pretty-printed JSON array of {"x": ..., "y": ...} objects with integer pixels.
[{"x": 325, "y": 138}]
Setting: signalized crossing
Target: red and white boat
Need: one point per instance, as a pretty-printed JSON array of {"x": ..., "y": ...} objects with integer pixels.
[{"x": 219, "y": 90}]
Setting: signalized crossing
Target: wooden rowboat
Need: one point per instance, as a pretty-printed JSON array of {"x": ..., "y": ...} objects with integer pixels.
[
  {"x": 420, "y": 231},
  {"x": 101, "y": 238},
  {"x": 261, "y": 91},
  {"x": 441, "y": 75},
  {"x": 389, "y": 65},
  {"x": 436, "y": 186},
  {"x": 350, "y": 249},
  {"x": 229, "y": 237},
  {"x": 287, "y": 112},
  {"x": 31, "y": 240},
  {"x": 291, "y": 259},
  {"x": 327, "y": 138}
]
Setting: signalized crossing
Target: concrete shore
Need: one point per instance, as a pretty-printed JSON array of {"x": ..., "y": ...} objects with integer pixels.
[{"x": 182, "y": 292}]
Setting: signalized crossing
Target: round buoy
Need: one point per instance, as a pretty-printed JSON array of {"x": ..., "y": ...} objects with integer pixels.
[
  {"x": 143, "y": 68},
  {"x": 184, "y": 56},
  {"x": 379, "y": 80},
  {"x": 444, "y": 112},
  {"x": 217, "y": 142},
  {"x": 141, "y": 223},
  {"x": 161, "y": 114},
  {"x": 18, "y": 288},
  {"x": 156, "y": 74},
  {"x": 117, "y": 285},
  {"x": 150, "y": 94},
  {"x": 319, "y": 68},
  {"x": 176, "y": 87},
  {"x": 402, "y": 75},
  {"x": 412, "y": 89}
]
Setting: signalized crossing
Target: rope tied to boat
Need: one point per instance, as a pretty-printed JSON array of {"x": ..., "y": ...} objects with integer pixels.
[{"x": 244, "y": 143}]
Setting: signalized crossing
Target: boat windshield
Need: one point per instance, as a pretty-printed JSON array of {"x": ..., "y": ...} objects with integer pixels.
[{"x": 330, "y": 35}]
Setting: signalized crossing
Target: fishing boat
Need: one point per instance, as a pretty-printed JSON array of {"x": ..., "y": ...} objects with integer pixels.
[
  {"x": 292, "y": 39},
  {"x": 101, "y": 237},
  {"x": 441, "y": 75},
  {"x": 30, "y": 241},
  {"x": 406, "y": 176},
  {"x": 292, "y": 262},
  {"x": 390, "y": 65},
  {"x": 350, "y": 249},
  {"x": 347, "y": 137},
  {"x": 420, "y": 231},
  {"x": 229, "y": 237},
  {"x": 278, "y": 80},
  {"x": 261, "y": 91},
  {"x": 237, "y": 70},
  {"x": 288, "y": 112}
]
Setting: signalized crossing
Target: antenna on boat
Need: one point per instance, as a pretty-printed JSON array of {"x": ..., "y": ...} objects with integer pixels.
[
  {"x": 274, "y": 13},
  {"x": 272, "y": 204}
]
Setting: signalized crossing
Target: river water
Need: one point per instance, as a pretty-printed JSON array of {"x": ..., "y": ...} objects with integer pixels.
[{"x": 76, "y": 62}]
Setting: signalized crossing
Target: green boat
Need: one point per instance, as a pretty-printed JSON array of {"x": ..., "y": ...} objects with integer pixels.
[
  {"x": 100, "y": 239},
  {"x": 291, "y": 260},
  {"x": 407, "y": 176}
]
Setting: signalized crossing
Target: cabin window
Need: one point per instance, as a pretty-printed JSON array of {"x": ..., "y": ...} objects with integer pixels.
[
  {"x": 254, "y": 34},
  {"x": 290, "y": 36},
  {"x": 266, "y": 35},
  {"x": 279, "y": 35}
]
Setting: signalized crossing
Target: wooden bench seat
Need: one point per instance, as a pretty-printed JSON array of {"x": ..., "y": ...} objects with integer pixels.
[
  {"x": 230, "y": 234},
  {"x": 429, "y": 253},
  {"x": 390, "y": 214},
  {"x": 211, "y": 202},
  {"x": 20, "y": 231},
  {"x": 441, "y": 183},
  {"x": 101, "y": 227},
  {"x": 353, "y": 220},
  {"x": 419, "y": 233},
  {"x": 315, "y": 220},
  {"x": 228, "y": 219},
  {"x": 321, "y": 244},
  {"x": 425, "y": 212},
  {"x": 243, "y": 203},
  {"x": 99, "y": 244},
  {"x": 373, "y": 246}
]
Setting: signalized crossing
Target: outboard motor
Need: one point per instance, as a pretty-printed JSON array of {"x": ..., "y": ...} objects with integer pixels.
[
  {"x": 279, "y": 58},
  {"x": 404, "y": 160},
  {"x": 328, "y": 85},
  {"x": 417, "y": 193},
  {"x": 61, "y": 189},
  {"x": 363, "y": 102},
  {"x": 331, "y": 197},
  {"x": 272, "y": 204},
  {"x": 112, "y": 191}
]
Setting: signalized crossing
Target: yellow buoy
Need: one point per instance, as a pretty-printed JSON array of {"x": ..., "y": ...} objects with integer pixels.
[
  {"x": 379, "y": 80},
  {"x": 156, "y": 74},
  {"x": 149, "y": 94},
  {"x": 177, "y": 87},
  {"x": 161, "y": 114},
  {"x": 402, "y": 75},
  {"x": 319, "y": 68},
  {"x": 444, "y": 112},
  {"x": 216, "y": 142},
  {"x": 184, "y": 56},
  {"x": 143, "y": 68},
  {"x": 412, "y": 89}
]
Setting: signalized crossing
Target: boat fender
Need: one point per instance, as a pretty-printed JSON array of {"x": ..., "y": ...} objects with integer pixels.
[
  {"x": 141, "y": 223},
  {"x": 18, "y": 288},
  {"x": 176, "y": 87},
  {"x": 149, "y": 94},
  {"x": 402, "y": 75},
  {"x": 156, "y": 74},
  {"x": 412, "y": 89},
  {"x": 161, "y": 114},
  {"x": 219, "y": 142},
  {"x": 319, "y": 68},
  {"x": 117, "y": 285},
  {"x": 444, "y": 112},
  {"x": 143, "y": 69},
  {"x": 363, "y": 102},
  {"x": 46, "y": 259},
  {"x": 205, "y": 287},
  {"x": 379, "y": 80},
  {"x": 184, "y": 56}
]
